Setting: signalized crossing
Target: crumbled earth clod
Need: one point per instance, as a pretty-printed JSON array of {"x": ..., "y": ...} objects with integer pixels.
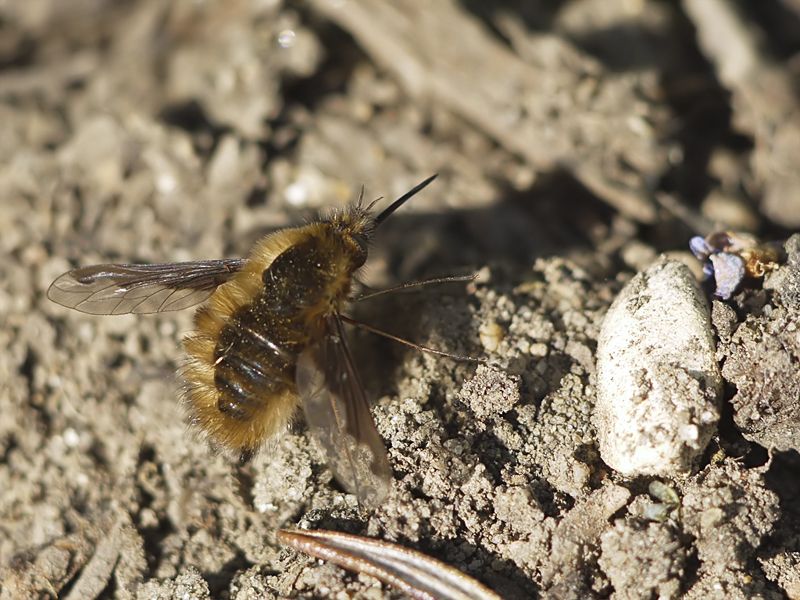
[
  {"x": 729, "y": 511},
  {"x": 643, "y": 560},
  {"x": 754, "y": 351}
]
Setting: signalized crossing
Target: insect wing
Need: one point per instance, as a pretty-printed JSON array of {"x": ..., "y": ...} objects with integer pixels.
[
  {"x": 339, "y": 418},
  {"x": 113, "y": 289}
]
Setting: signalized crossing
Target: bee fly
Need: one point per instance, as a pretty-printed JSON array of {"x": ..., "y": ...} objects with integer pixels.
[{"x": 269, "y": 337}]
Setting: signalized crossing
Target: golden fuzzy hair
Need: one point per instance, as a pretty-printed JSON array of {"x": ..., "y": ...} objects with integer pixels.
[{"x": 201, "y": 395}]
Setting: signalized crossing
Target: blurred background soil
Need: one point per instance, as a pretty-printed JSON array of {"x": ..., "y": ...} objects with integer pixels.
[{"x": 575, "y": 142}]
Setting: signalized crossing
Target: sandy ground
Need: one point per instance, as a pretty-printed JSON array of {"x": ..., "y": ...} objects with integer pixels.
[{"x": 575, "y": 141}]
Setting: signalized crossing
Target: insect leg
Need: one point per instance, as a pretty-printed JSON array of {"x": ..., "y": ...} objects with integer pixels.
[{"x": 417, "y": 284}]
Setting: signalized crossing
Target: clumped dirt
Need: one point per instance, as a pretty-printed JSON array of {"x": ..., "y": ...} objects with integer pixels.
[
  {"x": 756, "y": 350},
  {"x": 575, "y": 142}
]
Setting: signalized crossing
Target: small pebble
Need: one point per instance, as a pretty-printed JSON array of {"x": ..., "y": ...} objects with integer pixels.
[
  {"x": 658, "y": 379},
  {"x": 491, "y": 335}
]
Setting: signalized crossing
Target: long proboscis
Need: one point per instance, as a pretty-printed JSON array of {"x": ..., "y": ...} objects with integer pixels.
[{"x": 386, "y": 212}]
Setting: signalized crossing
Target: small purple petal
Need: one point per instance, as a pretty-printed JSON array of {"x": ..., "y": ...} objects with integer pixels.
[
  {"x": 700, "y": 248},
  {"x": 728, "y": 273},
  {"x": 708, "y": 270}
]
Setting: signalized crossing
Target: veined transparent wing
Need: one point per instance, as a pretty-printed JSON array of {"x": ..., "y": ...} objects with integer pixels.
[
  {"x": 339, "y": 418},
  {"x": 118, "y": 289}
]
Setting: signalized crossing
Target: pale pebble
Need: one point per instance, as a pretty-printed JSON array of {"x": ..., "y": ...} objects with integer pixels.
[{"x": 658, "y": 378}]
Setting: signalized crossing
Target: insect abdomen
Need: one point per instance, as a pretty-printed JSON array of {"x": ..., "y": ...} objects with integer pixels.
[{"x": 255, "y": 359}]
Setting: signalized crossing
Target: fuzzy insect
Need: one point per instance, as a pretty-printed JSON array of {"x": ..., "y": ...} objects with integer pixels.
[{"x": 269, "y": 338}]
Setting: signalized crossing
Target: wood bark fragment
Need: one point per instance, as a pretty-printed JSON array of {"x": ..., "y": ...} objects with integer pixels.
[
  {"x": 764, "y": 102},
  {"x": 540, "y": 113}
]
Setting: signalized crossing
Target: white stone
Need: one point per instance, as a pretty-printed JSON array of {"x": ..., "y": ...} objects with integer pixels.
[{"x": 658, "y": 380}]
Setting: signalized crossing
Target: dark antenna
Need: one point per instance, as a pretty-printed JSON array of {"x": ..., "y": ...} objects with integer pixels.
[
  {"x": 420, "y": 347},
  {"x": 402, "y": 200}
]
